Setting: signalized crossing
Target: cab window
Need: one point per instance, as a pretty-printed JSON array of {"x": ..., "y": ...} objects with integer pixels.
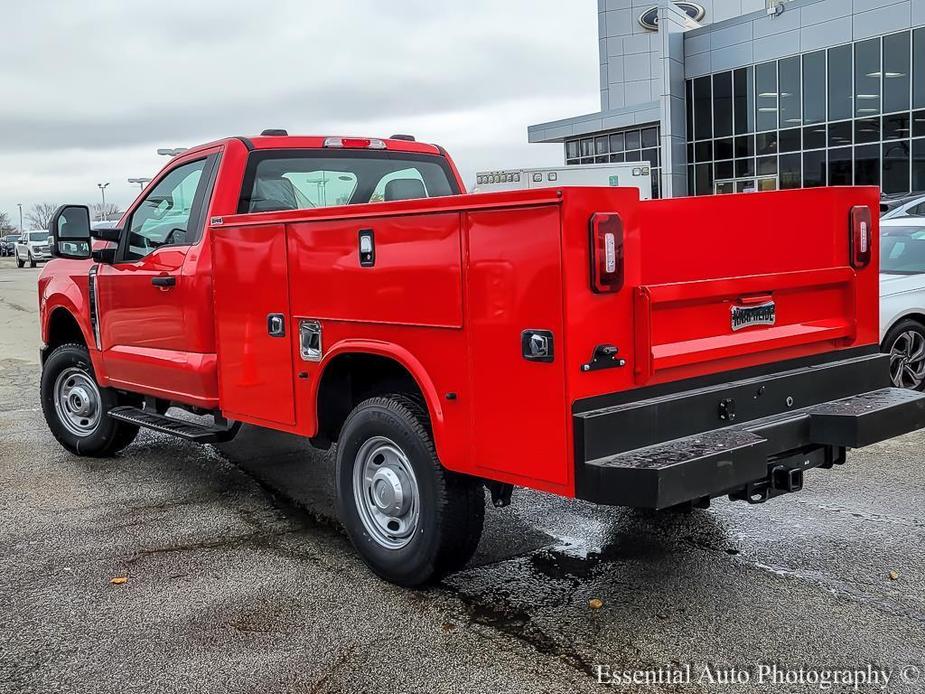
[
  {"x": 306, "y": 179},
  {"x": 163, "y": 217}
]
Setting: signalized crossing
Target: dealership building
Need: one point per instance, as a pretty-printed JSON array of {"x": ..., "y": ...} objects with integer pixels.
[{"x": 724, "y": 96}]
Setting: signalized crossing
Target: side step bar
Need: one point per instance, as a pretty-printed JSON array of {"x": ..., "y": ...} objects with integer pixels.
[{"x": 191, "y": 431}]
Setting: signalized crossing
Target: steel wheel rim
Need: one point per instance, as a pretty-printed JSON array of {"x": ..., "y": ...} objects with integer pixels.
[
  {"x": 77, "y": 401},
  {"x": 386, "y": 493},
  {"x": 907, "y": 359}
]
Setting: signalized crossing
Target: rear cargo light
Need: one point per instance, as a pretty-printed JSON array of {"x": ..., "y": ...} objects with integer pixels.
[
  {"x": 606, "y": 253},
  {"x": 354, "y": 143},
  {"x": 860, "y": 242}
]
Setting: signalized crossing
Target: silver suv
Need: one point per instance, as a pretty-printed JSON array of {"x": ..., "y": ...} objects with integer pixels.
[{"x": 32, "y": 247}]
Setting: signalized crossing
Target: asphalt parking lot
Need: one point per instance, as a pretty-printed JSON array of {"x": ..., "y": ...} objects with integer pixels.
[{"x": 239, "y": 579}]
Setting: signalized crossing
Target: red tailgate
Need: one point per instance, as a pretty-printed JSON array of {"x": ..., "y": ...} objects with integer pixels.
[{"x": 762, "y": 277}]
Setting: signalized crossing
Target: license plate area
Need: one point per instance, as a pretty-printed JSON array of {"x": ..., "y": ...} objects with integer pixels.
[{"x": 748, "y": 316}]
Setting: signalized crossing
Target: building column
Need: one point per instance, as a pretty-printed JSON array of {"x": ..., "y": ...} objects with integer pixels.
[{"x": 672, "y": 23}]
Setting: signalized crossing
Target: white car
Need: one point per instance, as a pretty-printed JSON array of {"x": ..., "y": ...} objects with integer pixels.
[
  {"x": 32, "y": 247},
  {"x": 902, "y": 299},
  {"x": 908, "y": 206}
]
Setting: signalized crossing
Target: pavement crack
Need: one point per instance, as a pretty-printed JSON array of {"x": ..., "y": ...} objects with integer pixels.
[
  {"x": 223, "y": 543},
  {"x": 342, "y": 657},
  {"x": 14, "y": 306}
]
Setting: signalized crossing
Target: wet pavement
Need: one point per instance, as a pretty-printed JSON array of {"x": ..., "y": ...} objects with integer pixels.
[{"x": 239, "y": 578}]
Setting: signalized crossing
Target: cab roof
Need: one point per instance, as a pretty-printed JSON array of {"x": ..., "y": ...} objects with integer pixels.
[{"x": 266, "y": 142}]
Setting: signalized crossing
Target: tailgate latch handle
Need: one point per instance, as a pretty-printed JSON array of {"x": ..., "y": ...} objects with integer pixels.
[{"x": 604, "y": 357}]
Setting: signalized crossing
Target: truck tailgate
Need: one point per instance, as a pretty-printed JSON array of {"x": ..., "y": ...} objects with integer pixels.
[
  {"x": 765, "y": 277},
  {"x": 689, "y": 322}
]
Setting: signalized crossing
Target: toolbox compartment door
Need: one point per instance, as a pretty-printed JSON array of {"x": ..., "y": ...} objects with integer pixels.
[
  {"x": 514, "y": 284},
  {"x": 251, "y": 284}
]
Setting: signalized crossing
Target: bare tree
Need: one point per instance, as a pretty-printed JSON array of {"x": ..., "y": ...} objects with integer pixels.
[
  {"x": 105, "y": 214},
  {"x": 39, "y": 215},
  {"x": 6, "y": 225}
]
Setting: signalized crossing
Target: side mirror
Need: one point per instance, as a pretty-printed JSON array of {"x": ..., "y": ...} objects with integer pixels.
[{"x": 70, "y": 232}]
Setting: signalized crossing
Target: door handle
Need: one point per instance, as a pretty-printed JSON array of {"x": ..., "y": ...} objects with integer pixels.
[
  {"x": 367, "y": 247},
  {"x": 164, "y": 281}
]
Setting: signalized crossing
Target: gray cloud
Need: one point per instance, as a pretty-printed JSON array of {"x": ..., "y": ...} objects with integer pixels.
[{"x": 112, "y": 80}]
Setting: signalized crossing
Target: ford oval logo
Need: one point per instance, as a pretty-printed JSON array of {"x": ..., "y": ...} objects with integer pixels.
[{"x": 649, "y": 18}]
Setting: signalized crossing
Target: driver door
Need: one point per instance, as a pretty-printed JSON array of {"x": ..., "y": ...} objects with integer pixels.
[{"x": 144, "y": 294}]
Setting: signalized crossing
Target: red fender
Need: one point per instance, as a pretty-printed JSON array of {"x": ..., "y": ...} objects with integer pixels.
[
  {"x": 61, "y": 292},
  {"x": 408, "y": 361}
]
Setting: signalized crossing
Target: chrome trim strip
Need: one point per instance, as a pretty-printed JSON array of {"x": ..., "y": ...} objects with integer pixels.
[{"x": 94, "y": 306}]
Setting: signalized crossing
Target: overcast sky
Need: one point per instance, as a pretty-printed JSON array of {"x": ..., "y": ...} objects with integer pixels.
[{"x": 92, "y": 89}]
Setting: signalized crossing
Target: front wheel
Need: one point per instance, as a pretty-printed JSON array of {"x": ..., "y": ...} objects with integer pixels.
[
  {"x": 31, "y": 261},
  {"x": 410, "y": 519},
  {"x": 76, "y": 407}
]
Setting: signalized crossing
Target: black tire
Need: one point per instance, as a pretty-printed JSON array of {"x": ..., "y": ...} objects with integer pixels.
[
  {"x": 20, "y": 263},
  {"x": 109, "y": 436},
  {"x": 914, "y": 329},
  {"x": 452, "y": 506},
  {"x": 31, "y": 261}
]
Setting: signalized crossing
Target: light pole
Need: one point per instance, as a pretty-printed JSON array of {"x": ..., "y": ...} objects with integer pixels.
[
  {"x": 103, "y": 187},
  {"x": 171, "y": 152},
  {"x": 322, "y": 184},
  {"x": 20, "y": 216},
  {"x": 142, "y": 182}
]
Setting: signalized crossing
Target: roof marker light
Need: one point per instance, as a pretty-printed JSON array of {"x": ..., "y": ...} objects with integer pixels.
[{"x": 354, "y": 143}]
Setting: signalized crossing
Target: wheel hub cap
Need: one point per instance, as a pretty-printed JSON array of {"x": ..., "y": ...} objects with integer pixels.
[
  {"x": 80, "y": 402},
  {"x": 386, "y": 493},
  {"x": 391, "y": 491},
  {"x": 77, "y": 401}
]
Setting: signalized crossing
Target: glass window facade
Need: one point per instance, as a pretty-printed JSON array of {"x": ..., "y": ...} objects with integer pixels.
[
  {"x": 635, "y": 144},
  {"x": 849, "y": 115}
]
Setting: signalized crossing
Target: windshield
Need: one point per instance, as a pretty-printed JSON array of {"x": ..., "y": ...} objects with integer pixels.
[
  {"x": 38, "y": 235},
  {"x": 902, "y": 250},
  {"x": 298, "y": 180},
  {"x": 11, "y": 237}
]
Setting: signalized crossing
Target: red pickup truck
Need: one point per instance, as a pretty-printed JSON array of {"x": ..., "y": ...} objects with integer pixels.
[{"x": 577, "y": 341}]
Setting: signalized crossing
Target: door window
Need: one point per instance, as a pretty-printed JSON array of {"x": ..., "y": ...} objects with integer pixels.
[{"x": 163, "y": 217}]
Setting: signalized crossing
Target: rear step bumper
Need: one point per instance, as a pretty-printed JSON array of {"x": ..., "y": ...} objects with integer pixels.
[{"x": 747, "y": 457}]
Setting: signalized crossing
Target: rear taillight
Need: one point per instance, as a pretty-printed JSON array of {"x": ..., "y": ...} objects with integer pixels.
[
  {"x": 606, "y": 252},
  {"x": 354, "y": 143},
  {"x": 861, "y": 236}
]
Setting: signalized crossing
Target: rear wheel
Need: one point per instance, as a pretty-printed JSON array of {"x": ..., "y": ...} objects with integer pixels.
[
  {"x": 20, "y": 263},
  {"x": 905, "y": 343},
  {"x": 410, "y": 519},
  {"x": 76, "y": 407}
]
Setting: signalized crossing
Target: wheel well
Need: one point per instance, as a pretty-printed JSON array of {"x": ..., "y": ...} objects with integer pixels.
[
  {"x": 62, "y": 329},
  {"x": 917, "y": 317},
  {"x": 352, "y": 378}
]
